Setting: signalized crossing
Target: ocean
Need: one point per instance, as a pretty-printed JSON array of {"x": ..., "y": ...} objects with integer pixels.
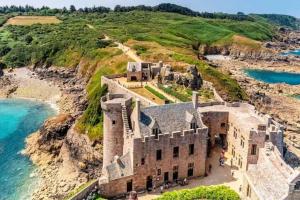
[
  {"x": 18, "y": 118},
  {"x": 269, "y": 76}
]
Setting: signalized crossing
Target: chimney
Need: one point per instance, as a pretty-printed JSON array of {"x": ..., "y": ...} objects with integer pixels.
[
  {"x": 138, "y": 108},
  {"x": 195, "y": 99}
]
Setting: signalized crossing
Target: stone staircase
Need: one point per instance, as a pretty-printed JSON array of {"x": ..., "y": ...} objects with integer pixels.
[{"x": 126, "y": 124}]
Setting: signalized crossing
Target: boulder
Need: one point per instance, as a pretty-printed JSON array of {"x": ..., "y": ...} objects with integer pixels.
[{"x": 53, "y": 132}]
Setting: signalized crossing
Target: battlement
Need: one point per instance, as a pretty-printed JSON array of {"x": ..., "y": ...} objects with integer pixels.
[
  {"x": 115, "y": 101},
  {"x": 200, "y": 132}
]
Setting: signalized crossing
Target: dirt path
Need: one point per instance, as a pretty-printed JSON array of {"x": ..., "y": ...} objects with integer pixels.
[{"x": 126, "y": 50}]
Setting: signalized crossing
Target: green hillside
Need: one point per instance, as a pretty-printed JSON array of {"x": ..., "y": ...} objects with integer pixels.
[{"x": 170, "y": 37}]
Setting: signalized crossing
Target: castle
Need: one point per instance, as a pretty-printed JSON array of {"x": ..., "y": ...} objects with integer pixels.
[{"x": 146, "y": 146}]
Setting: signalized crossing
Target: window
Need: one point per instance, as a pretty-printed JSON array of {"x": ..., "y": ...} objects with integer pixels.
[
  {"x": 175, "y": 152},
  {"x": 253, "y": 149},
  {"x": 242, "y": 142},
  {"x": 248, "y": 191},
  {"x": 191, "y": 149},
  {"x": 155, "y": 132},
  {"x": 142, "y": 161},
  {"x": 297, "y": 186},
  {"x": 193, "y": 126},
  {"x": 158, "y": 154},
  {"x": 223, "y": 125},
  {"x": 233, "y": 151},
  {"x": 190, "y": 169},
  {"x": 158, "y": 172},
  {"x": 235, "y": 134},
  {"x": 113, "y": 122}
]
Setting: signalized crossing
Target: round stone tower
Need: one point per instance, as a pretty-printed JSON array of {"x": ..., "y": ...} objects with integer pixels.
[{"x": 114, "y": 107}]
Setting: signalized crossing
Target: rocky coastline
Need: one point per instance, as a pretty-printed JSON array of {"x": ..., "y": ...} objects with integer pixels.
[
  {"x": 274, "y": 99},
  {"x": 65, "y": 158}
]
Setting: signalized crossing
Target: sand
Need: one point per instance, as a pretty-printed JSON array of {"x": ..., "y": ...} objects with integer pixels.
[{"x": 29, "y": 86}]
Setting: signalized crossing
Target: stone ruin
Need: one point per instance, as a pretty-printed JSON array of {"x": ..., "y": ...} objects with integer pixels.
[{"x": 191, "y": 79}]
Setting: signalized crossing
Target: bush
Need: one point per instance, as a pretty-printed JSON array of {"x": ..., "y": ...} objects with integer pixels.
[
  {"x": 172, "y": 92},
  {"x": 203, "y": 192}
]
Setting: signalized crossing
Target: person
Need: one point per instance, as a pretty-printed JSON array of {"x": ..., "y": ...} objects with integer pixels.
[
  {"x": 133, "y": 196},
  {"x": 161, "y": 189},
  {"x": 209, "y": 168}
]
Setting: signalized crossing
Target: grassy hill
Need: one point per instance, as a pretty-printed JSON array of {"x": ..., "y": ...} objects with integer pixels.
[{"x": 171, "y": 37}]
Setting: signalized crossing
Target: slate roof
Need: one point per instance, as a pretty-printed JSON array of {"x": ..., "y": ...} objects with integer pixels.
[
  {"x": 170, "y": 117},
  {"x": 120, "y": 169}
]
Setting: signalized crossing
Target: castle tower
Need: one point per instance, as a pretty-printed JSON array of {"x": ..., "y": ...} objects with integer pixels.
[{"x": 113, "y": 125}]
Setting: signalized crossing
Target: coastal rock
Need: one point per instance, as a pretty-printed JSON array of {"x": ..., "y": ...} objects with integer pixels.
[
  {"x": 1, "y": 71},
  {"x": 53, "y": 133}
]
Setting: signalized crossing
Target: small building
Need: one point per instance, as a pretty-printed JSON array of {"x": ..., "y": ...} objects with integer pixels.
[{"x": 143, "y": 71}]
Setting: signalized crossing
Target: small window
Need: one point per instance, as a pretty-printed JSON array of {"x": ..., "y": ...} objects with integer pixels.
[
  {"x": 155, "y": 132},
  {"x": 297, "y": 186},
  {"x": 158, "y": 172},
  {"x": 191, "y": 149},
  {"x": 113, "y": 122},
  {"x": 253, "y": 149},
  {"x": 248, "y": 191},
  {"x": 223, "y": 125},
  {"x": 158, "y": 154},
  {"x": 193, "y": 126},
  {"x": 175, "y": 152},
  {"x": 142, "y": 161}
]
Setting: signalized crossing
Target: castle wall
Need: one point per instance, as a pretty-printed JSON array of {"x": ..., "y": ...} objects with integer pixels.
[
  {"x": 147, "y": 150},
  {"x": 115, "y": 88},
  {"x": 240, "y": 141},
  {"x": 217, "y": 123}
]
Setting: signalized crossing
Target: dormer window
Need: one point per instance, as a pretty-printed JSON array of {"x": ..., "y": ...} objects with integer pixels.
[
  {"x": 155, "y": 132},
  {"x": 193, "y": 126}
]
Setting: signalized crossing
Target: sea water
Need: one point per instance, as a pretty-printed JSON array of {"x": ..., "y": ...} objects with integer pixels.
[
  {"x": 269, "y": 76},
  {"x": 293, "y": 52},
  {"x": 18, "y": 118}
]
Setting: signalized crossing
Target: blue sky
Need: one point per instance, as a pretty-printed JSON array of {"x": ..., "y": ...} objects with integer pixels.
[{"x": 290, "y": 7}]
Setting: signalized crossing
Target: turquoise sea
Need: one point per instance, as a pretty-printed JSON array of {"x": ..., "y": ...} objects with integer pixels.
[
  {"x": 18, "y": 118},
  {"x": 294, "y": 52},
  {"x": 269, "y": 76}
]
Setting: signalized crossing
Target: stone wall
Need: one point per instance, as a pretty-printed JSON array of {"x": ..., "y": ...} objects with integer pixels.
[
  {"x": 146, "y": 149},
  {"x": 92, "y": 187},
  {"x": 114, "y": 87}
]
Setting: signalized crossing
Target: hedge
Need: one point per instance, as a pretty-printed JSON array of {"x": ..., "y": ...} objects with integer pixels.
[{"x": 203, "y": 192}]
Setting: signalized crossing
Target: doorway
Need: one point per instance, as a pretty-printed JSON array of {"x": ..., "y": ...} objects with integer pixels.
[
  {"x": 149, "y": 183},
  {"x": 129, "y": 186},
  {"x": 166, "y": 177}
]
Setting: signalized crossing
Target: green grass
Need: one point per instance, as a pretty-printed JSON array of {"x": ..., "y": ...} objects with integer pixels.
[
  {"x": 159, "y": 95},
  {"x": 203, "y": 192},
  {"x": 224, "y": 84},
  {"x": 79, "y": 189},
  {"x": 171, "y": 90}
]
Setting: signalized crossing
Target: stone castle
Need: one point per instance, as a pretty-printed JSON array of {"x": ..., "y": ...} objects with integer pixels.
[{"x": 144, "y": 147}]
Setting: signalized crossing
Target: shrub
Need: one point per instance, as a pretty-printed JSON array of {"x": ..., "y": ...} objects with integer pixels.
[{"x": 203, "y": 192}]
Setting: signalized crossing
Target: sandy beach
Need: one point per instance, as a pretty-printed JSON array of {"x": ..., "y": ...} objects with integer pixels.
[{"x": 26, "y": 84}]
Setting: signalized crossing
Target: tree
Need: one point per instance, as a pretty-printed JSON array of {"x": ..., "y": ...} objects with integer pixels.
[
  {"x": 28, "y": 39},
  {"x": 72, "y": 8}
]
